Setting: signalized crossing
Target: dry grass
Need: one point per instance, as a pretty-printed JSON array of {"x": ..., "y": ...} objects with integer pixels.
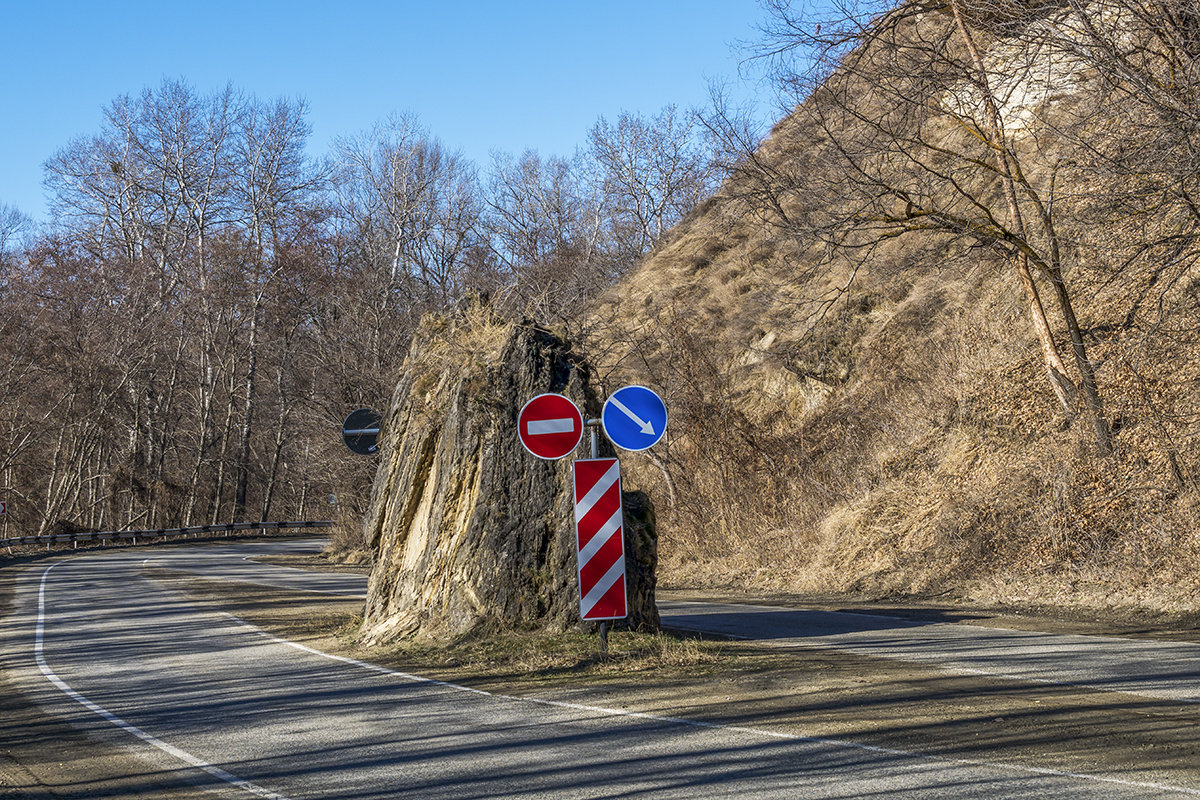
[
  {"x": 455, "y": 346},
  {"x": 901, "y": 438},
  {"x": 549, "y": 654}
]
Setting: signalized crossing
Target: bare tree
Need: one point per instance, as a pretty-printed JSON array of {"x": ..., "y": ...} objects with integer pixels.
[
  {"x": 15, "y": 228},
  {"x": 653, "y": 171},
  {"x": 545, "y": 229},
  {"x": 270, "y": 178},
  {"x": 921, "y": 135},
  {"x": 183, "y": 210},
  {"x": 411, "y": 207}
]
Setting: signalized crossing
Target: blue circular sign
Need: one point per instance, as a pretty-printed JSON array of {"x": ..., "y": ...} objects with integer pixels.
[{"x": 634, "y": 418}]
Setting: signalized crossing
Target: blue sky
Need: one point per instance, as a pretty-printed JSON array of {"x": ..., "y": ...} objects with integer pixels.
[{"x": 479, "y": 75}]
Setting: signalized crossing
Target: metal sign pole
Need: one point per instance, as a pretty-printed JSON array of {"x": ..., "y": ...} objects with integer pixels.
[{"x": 593, "y": 428}]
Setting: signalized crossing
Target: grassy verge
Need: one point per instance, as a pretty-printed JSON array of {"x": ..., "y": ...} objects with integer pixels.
[{"x": 532, "y": 658}]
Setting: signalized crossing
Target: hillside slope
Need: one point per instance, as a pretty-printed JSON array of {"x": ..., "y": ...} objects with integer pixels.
[{"x": 859, "y": 402}]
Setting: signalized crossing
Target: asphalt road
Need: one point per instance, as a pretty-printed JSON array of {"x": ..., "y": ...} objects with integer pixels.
[
  {"x": 1162, "y": 670},
  {"x": 192, "y": 690}
]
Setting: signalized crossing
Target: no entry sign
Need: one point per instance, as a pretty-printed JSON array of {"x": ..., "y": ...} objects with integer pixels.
[
  {"x": 600, "y": 538},
  {"x": 360, "y": 431},
  {"x": 550, "y": 426}
]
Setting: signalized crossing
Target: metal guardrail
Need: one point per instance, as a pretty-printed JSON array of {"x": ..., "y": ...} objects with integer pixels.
[{"x": 161, "y": 533}]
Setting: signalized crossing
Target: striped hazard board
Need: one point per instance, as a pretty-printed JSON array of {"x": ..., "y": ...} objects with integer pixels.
[{"x": 600, "y": 539}]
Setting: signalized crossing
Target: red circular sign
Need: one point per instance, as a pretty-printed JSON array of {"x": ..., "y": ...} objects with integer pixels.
[{"x": 550, "y": 426}]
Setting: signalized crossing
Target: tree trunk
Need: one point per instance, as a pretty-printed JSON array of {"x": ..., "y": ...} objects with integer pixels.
[
  {"x": 1055, "y": 369},
  {"x": 277, "y": 454},
  {"x": 243, "y": 459},
  {"x": 227, "y": 430},
  {"x": 1087, "y": 371}
]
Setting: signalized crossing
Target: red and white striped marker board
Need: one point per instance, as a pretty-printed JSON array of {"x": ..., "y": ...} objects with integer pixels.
[{"x": 600, "y": 539}]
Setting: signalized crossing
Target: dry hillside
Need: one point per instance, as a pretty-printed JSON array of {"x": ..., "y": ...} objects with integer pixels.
[{"x": 858, "y": 396}]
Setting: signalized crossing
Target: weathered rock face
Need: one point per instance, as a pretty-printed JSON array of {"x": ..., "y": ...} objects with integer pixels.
[{"x": 466, "y": 525}]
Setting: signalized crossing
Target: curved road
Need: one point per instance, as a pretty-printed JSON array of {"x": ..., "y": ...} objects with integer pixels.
[{"x": 196, "y": 691}]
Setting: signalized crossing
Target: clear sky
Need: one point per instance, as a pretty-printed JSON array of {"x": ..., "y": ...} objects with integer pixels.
[{"x": 505, "y": 75}]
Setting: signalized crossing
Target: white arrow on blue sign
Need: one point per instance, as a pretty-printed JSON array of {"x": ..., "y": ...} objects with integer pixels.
[{"x": 634, "y": 418}]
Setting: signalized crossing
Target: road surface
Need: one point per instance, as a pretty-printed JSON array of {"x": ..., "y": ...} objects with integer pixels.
[{"x": 189, "y": 689}]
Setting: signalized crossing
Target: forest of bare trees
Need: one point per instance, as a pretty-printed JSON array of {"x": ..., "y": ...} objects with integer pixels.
[{"x": 208, "y": 301}]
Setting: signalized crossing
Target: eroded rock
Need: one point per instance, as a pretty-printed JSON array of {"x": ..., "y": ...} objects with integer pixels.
[{"x": 467, "y": 527}]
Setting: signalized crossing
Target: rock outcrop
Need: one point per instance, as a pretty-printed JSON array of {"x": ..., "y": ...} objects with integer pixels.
[{"x": 467, "y": 527}]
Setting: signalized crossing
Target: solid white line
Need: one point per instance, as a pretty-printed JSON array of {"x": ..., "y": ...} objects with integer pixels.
[
  {"x": 352, "y": 661},
  {"x": 617, "y": 712},
  {"x": 39, "y": 656}
]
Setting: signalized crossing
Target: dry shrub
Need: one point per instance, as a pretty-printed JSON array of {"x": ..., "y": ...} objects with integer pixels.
[
  {"x": 906, "y": 442},
  {"x": 469, "y": 337},
  {"x": 880, "y": 421},
  {"x": 346, "y": 535}
]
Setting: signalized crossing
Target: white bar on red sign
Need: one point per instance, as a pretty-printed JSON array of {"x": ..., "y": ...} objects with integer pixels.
[
  {"x": 536, "y": 427},
  {"x": 600, "y": 539}
]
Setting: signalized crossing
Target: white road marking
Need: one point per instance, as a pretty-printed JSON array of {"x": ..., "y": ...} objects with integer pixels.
[
  {"x": 601, "y": 710},
  {"x": 108, "y": 716},
  {"x": 793, "y": 737}
]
